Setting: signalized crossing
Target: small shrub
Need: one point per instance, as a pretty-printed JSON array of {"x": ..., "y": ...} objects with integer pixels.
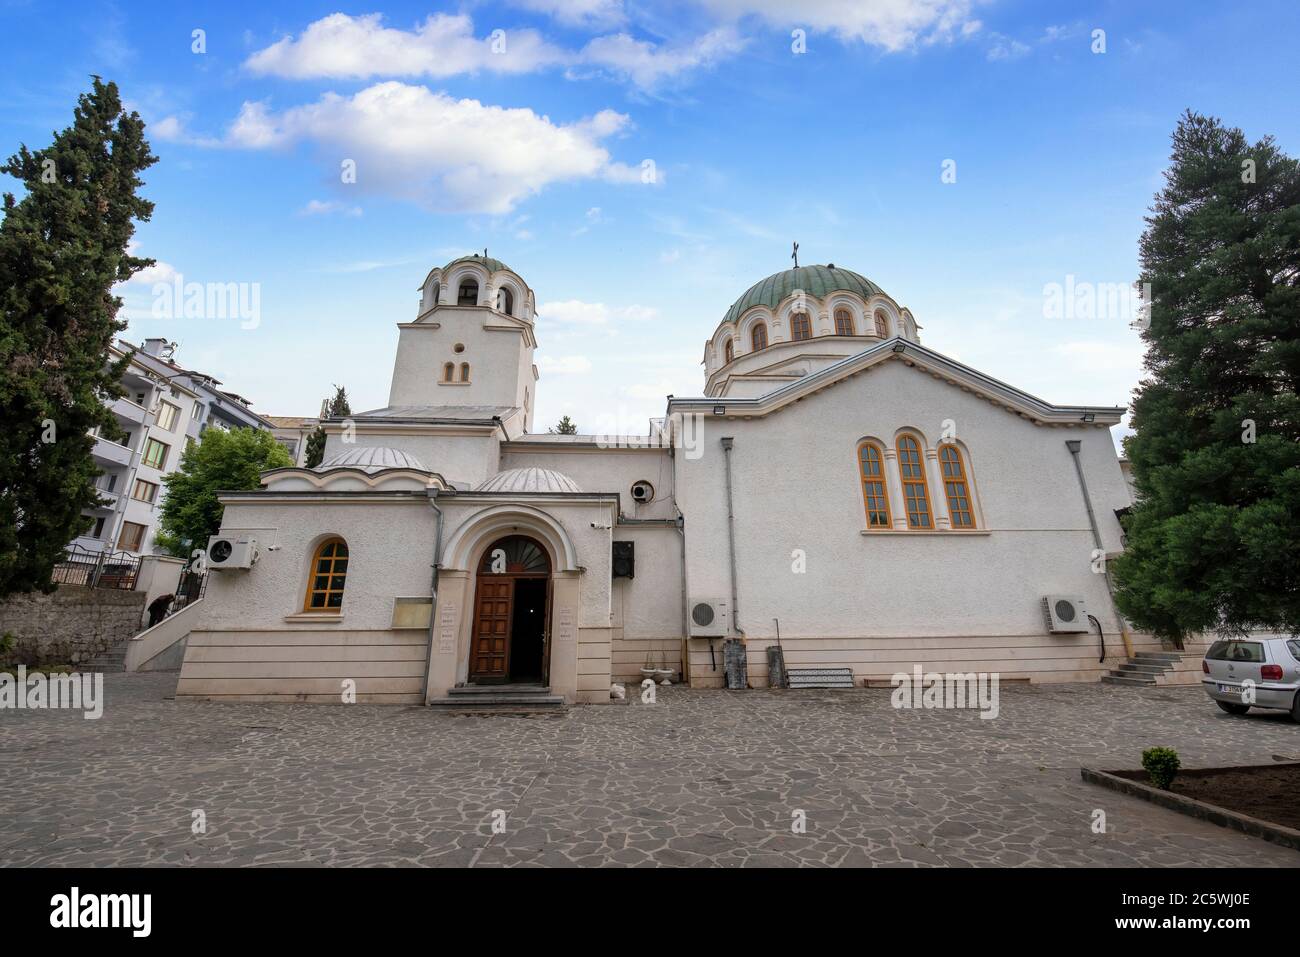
[{"x": 1161, "y": 765}]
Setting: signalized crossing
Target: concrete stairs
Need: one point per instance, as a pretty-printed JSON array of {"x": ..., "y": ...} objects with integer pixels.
[
  {"x": 499, "y": 699},
  {"x": 110, "y": 662},
  {"x": 1147, "y": 669}
]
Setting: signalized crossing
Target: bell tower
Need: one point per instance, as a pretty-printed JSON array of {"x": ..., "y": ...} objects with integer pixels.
[{"x": 471, "y": 343}]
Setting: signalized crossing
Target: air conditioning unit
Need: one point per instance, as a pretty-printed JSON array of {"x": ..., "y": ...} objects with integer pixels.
[
  {"x": 231, "y": 551},
  {"x": 710, "y": 618},
  {"x": 1065, "y": 614},
  {"x": 642, "y": 492}
]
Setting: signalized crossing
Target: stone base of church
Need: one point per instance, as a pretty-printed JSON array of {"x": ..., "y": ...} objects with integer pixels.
[
  {"x": 327, "y": 667},
  {"x": 1034, "y": 658}
]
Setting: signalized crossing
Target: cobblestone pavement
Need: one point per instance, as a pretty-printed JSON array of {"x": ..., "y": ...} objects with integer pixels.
[{"x": 701, "y": 777}]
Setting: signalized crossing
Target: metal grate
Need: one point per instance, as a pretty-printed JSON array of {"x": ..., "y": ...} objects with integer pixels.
[{"x": 820, "y": 677}]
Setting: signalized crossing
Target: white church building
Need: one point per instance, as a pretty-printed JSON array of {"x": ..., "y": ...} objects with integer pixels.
[{"x": 838, "y": 487}]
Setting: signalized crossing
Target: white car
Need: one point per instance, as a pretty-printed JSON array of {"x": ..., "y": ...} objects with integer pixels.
[{"x": 1245, "y": 673}]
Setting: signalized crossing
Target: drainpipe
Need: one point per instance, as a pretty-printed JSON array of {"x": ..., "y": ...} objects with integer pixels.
[
  {"x": 727, "y": 443},
  {"x": 433, "y": 585},
  {"x": 1073, "y": 445},
  {"x": 680, "y": 524}
]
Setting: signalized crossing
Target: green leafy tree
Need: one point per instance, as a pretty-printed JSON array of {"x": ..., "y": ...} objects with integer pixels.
[
  {"x": 221, "y": 462},
  {"x": 336, "y": 408},
  {"x": 564, "y": 427},
  {"x": 1214, "y": 539},
  {"x": 63, "y": 247}
]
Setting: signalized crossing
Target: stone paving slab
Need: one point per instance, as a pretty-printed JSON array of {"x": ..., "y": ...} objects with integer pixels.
[{"x": 700, "y": 778}]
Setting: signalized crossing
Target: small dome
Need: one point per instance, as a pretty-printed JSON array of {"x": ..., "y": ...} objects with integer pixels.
[
  {"x": 372, "y": 459},
  {"x": 816, "y": 281},
  {"x": 487, "y": 262},
  {"x": 529, "y": 480}
]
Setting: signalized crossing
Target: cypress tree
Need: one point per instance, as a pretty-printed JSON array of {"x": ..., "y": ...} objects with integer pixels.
[{"x": 63, "y": 247}]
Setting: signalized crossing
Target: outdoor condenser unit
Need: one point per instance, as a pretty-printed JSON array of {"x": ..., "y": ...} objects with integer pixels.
[
  {"x": 710, "y": 618},
  {"x": 229, "y": 551},
  {"x": 1065, "y": 614}
]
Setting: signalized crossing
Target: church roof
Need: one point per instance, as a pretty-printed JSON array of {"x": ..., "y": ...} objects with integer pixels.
[
  {"x": 816, "y": 281},
  {"x": 487, "y": 262},
  {"x": 529, "y": 480},
  {"x": 372, "y": 459}
]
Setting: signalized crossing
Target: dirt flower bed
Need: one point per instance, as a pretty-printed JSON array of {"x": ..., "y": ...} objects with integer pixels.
[{"x": 1268, "y": 792}]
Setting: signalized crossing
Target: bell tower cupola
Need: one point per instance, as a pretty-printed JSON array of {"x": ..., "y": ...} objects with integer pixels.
[{"x": 471, "y": 342}]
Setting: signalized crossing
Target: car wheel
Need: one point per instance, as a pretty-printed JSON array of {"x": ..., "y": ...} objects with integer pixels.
[
  {"x": 1231, "y": 708},
  {"x": 1295, "y": 708}
]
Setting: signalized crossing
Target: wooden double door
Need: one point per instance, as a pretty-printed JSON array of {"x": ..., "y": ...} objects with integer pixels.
[{"x": 512, "y": 598}]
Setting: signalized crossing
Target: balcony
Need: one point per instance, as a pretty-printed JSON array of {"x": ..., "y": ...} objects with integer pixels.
[
  {"x": 111, "y": 453},
  {"x": 129, "y": 411},
  {"x": 110, "y": 499}
]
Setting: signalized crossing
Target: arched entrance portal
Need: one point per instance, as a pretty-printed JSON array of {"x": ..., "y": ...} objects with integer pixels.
[{"x": 512, "y": 599}]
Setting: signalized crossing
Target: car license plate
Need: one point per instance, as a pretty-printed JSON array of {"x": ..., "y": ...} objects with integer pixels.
[{"x": 1229, "y": 689}]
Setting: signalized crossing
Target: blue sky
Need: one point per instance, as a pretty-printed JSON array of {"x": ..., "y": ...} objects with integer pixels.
[{"x": 536, "y": 148}]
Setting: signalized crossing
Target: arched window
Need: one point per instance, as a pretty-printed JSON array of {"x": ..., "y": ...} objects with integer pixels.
[
  {"x": 437, "y": 291},
  {"x": 329, "y": 572},
  {"x": 843, "y": 322},
  {"x": 956, "y": 486},
  {"x": 871, "y": 465},
  {"x": 505, "y": 301},
  {"x": 467, "y": 295},
  {"x": 759, "y": 337},
  {"x": 800, "y": 326},
  {"x": 464, "y": 372},
  {"x": 728, "y": 351},
  {"x": 882, "y": 326},
  {"x": 916, "y": 496},
  {"x": 449, "y": 372}
]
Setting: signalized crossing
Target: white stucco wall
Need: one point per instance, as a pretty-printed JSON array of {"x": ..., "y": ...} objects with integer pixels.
[
  {"x": 605, "y": 470},
  {"x": 493, "y": 347},
  {"x": 796, "y": 487}
]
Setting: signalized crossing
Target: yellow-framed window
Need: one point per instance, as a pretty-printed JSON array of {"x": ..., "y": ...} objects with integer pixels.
[
  {"x": 875, "y": 496},
  {"x": 759, "y": 337},
  {"x": 329, "y": 572},
  {"x": 956, "y": 486},
  {"x": 843, "y": 322},
  {"x": 800, "y": 326},
  {"x": 916, "y": 494}
]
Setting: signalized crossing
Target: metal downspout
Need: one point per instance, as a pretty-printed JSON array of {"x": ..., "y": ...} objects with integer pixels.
[
  {"x": 433, "y": 587},
  {"x": 727, "y": 443},
  {"x": 1074, "y": 445},
  {"x": 686, "y": 601}
]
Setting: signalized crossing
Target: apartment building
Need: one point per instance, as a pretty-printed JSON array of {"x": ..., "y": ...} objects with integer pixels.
[{"x": 166, "y": 409}]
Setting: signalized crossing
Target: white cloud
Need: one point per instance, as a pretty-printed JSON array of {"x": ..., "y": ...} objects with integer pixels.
[
  {"x": 1006, "y": 48},
  {"x": 577, "y": 312},
  {"x": 597, "y": 14},
  {"x": 410, "y": 142},
  {"x": 340, "y": 46},
  {"x": 564, "y": 365},
  {"x": 648, "y": 66},
  {"x": 317, "y": 207},
  {"x": 891, "y": 24}
]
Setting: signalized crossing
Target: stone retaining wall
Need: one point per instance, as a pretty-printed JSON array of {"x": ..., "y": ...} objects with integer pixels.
[{"x": 70, "y": 625}]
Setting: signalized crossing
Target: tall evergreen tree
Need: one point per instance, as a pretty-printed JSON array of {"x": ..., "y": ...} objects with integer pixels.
[
  {"x": 1214, "y": 539},
  {"x": 63, "y": 246},
  {"x": 565, "y": 426},
  {"x": 337, "y": 407}
]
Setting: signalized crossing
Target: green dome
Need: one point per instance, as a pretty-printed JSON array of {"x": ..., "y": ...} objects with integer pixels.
[
  {"x": 492, "y": 265},
  {"x": 816, "y": 281}
]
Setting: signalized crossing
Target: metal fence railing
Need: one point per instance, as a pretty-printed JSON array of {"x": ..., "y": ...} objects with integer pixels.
[{"x": 81, "y": 566}]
